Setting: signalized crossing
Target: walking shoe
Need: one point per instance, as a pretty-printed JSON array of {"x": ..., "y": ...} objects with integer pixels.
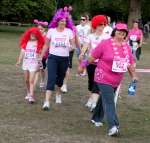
[
  {"x": 46, "y": 106},
  {"x": 97, "y": 124},
  {"x": 27, "y": 96},
  {"x": 92, "y": 107},
  {"x": 42, "y": 85},
  {"x": 31, "y": 99},
  {"x": 58, "y": 99},
  {"x": 113, "y": 131},
  {"x": 89, "y": 103},
  {"x": 64, "y": 88}
]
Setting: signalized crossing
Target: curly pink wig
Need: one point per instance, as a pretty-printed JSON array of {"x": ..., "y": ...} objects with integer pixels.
[
  {"x": 62, "y": 13},
  {"x": 26, "y": 37}
]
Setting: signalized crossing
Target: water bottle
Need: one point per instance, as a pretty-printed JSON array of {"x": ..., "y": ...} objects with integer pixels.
[{"x": 132, "y": 88}]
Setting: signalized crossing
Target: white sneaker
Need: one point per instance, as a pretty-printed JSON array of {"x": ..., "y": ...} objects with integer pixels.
[
  {"x": 89, "y": 103},
  {"x": 64, "y": 88},
  {"x": 113, "y": 131},
  {"x": 46, "y": 105},
  {"x": 92, "y": 107},
  {"x": 27, "y": 97},
  {"x": 42, "y": 84},
  {"x": 97, "y": 124},
  {"x": 58, "y": 99},
  {"x": 31, "y": 99}
]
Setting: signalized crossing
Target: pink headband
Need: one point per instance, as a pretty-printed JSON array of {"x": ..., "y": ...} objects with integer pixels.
[
  {"x": 43, "y": 23},
  {"x": 121, "y": 26}
]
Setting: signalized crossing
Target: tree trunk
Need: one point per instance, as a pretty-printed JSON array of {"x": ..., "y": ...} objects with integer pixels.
[{"x": 134, "y": 11}]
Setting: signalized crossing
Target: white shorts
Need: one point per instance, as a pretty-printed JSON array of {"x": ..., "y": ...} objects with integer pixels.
[{"x": 30, "y": 65}]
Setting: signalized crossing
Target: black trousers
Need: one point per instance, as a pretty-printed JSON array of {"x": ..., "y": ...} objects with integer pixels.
[{"x": 92, "y": 86}]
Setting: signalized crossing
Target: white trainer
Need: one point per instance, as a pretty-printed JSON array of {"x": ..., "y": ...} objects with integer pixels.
[
  {"x": 58, "y": 99},
  {"x": 113, "y": 131},
  {"x": 97, "y": 124},
  {"x": 64, "y": 88},
  {"x": 27, "y": 97},
  {"x": 93, "y": 107},
  {"x": 46, "y": 105},
  {"x": 31, "y": 99},
  {"x": 42, "y": 85},
  {"x": 89, "y": 103}
]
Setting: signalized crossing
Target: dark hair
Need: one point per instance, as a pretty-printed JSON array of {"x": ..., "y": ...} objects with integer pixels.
[{"x": 114, "y": 31}]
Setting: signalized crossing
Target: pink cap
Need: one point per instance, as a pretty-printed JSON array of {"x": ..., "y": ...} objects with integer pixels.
[{"x": 121, "y": 26}]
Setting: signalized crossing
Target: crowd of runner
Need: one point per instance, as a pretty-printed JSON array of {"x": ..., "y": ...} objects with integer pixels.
[{"x": 104, "y": 54}]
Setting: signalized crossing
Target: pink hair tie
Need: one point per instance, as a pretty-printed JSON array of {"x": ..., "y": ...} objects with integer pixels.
[
  {"x": 35, "y": 21},
  {"x": 43, "y": 23},
  {"x": 65, "y": 8}
]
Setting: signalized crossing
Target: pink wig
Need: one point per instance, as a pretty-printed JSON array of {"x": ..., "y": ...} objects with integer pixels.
[
  {"x": 26, "y": 37},
  {"x": 62, "y": 13}
]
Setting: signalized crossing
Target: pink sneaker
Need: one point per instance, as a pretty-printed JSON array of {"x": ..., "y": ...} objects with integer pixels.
[{"x": 31, "y": 99}]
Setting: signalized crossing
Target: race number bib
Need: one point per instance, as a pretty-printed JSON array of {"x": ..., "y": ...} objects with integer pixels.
[
  {"x": 30, "y": 54},
  {"x": 133, "y": 37},
  {"x": 119, "y": 65}
]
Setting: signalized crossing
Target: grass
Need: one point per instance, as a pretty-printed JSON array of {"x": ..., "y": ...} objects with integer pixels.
[{"x": 69, "y": 122}]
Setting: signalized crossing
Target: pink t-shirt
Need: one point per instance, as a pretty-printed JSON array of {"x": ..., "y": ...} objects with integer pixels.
[
  {"x": 59, "y": 42},
  {"x": 135, "y": 34},
  {"x": 105, "y": 53}
]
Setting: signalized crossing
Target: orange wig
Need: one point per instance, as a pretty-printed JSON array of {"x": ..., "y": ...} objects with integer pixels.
[{"x": 26, "y": 37}]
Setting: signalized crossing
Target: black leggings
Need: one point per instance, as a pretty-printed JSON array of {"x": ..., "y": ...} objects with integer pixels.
[
  {"x": 138, "y": 53},
  {"x": 92, "y": 86}
]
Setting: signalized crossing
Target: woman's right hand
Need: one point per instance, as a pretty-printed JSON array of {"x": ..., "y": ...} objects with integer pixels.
[{"x": 18, "y": 63}]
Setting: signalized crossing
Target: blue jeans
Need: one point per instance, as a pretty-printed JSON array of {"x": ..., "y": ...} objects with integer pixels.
[{"x": 108, "y": 104}]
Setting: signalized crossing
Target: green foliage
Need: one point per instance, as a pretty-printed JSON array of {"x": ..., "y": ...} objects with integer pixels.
[
  {"x": 114, "y": 8},
  {"x": 146, "y": 10},
  {"x": 26, "y": 10}
]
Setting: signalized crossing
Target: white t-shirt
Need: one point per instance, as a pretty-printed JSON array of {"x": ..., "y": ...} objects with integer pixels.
[
  {"x": 94, "y": 39},
  {"x": 59, "y": 41},
  {"x": 108, "y": 30},
  {"x": 83, "y": 32},
  {"x": 30, "y": 51}
]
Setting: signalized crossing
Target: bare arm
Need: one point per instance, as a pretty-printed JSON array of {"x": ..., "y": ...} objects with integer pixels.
[
  {"x": 72, "y": 43},
  {"x": 21, "y": 55},
  {"x": 141, "y": 42},
  {"x": 45, "y": 47},
  {"x": 77, "y": 42},
  {"x": 83, "y": 51},
  {"x": 91, "y": 59}
]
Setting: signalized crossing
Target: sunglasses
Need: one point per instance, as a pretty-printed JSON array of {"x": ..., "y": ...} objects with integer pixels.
[
  {"x": 102, "y": 24},
  {"x": 83, "y": 19}
]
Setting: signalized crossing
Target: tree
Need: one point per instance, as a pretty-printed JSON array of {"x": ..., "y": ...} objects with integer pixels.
[
  {"x": 26, "y": 10},
  {"x": 134, "y": 11}
]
